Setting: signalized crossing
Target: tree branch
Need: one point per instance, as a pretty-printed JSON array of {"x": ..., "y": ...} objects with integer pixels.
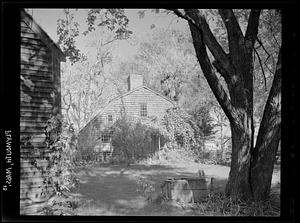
[
  {"x": 234, "y": 32},
  {"x": 263, "y": 155},
  {"x": 262, "y": 69},
  {"x": 269, "y": 55},
  {"x": 193, "y": 16},
  {"x": 209, "y": 72},
  {"x": 252, "y": 28}
]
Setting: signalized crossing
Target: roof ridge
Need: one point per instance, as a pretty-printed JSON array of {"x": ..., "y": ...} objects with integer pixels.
[
  {"x": 125, "y": 94},
  {"x": 41, "y": 32}
]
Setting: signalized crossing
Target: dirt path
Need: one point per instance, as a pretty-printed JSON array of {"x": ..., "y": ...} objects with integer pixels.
[{"x": 112, "y": 190}]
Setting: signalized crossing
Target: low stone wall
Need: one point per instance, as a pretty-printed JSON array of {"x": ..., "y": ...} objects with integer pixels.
[{"x": 187, "y": 190}]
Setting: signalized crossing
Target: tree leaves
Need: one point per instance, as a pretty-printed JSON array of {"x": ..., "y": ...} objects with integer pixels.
[
  {"x": 112, "y": 19},
  {"x": 68, "y": 29},
  {"x": 141, "y": 14}
]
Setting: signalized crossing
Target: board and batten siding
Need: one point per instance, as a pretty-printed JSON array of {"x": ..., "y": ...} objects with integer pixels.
[
  {"x": 157, "y": 105},
  {"x": 40, "y": 63}
]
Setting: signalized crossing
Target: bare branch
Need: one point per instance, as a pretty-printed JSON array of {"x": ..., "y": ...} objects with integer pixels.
[
  {"x": 269, "y": 55},
  {"x": 262, "y": 69},
  {"x": 252, "y": 28},
  {"x": 109, "y": 41},
  {"x": 226, "y": 141},
  {"x": 262, "y": 45}
]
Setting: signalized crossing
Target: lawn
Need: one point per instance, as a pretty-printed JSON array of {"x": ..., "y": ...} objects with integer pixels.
[{"x": 112, "y": 189}]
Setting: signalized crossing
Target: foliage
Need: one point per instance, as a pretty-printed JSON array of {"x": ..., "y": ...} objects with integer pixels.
[
  {"x": 83, "y": 92},
  {"x": 59, "y": 173},
  {"x": 204, "y": 121},
  {"x": 181, "y": 127},
  {"x": 86, "y": 155},
  {"x": 61, "y": 205},
  {"x": 170, "y": 154},
  {"x": 131, "y": 137},
  {"x": 167, "y": 60},
  {"x": 87, "y": 82},
  {"x": 113, "y": 19},
  {"x": 68, "y": 29},
  {"x": 61, "y": 141}
]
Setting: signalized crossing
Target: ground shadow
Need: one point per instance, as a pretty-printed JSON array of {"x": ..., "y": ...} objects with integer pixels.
[{"x": 112, "y": 189}]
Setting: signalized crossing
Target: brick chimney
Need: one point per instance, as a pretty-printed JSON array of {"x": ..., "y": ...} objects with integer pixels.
[{"x": 134, "y": 81}]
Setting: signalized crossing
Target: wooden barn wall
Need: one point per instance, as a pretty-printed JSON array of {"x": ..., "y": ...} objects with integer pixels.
[
  {"x": 42, "y": 66},
  {"x": 89, "y": 137}
]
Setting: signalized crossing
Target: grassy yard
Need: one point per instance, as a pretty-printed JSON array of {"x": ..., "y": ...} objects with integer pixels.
[{"x": 112, "y": 189}]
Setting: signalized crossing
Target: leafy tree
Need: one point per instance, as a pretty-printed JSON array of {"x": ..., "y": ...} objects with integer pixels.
[
  {"x": 169, "y": 65},
  {"x": 84, "y": 88},
  {"x": 113, "y": 20},
  {"x": 252, "y": 165},
  {"x": 86, "y": 77},
  {"x": 204, "y": 122}
]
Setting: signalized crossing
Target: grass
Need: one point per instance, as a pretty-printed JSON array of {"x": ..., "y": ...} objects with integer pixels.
[
  {"x": 220, "y": 205},
  {"x": 134, "y": 190}
]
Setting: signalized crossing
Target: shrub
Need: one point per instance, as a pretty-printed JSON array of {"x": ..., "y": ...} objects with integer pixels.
[
  {"x": 180, "y": 127},
  {"x": 132, "y": 138},
  {"x": 86, "y": 155},
  {"x": 170, "y": 154}
]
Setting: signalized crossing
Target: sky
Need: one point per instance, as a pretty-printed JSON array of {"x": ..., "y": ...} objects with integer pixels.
[{"x": 124, "y": 50}]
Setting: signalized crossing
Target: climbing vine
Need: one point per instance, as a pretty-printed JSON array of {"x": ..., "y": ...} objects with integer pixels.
[{"x": 61, "y": 141}]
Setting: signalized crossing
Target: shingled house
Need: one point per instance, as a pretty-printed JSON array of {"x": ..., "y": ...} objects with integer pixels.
[
  {"x": 40, "y": 98},
  {"x": 139, "y": 102}
]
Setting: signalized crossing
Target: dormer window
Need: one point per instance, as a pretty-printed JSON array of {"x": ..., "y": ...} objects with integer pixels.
[{"x": 143, "y": 110}]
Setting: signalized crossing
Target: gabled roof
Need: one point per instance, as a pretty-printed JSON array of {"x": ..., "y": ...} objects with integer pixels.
[
  {"x": 130, "y": 92},
  {"x": 42, "y": 34},
  {"x": 124, "y": 95}
]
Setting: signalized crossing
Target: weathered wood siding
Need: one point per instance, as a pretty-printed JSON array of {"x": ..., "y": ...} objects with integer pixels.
[
  {"x": 41, "y": 65},
  {"x": 157, "y": 105}
]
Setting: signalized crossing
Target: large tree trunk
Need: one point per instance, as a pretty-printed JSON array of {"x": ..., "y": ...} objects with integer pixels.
[
  {"x": 264, "y": 153},
  {"x": 239, "y": 108},
  {"x": 246, "y": 179},
  {"x": 238, "y": 185}
]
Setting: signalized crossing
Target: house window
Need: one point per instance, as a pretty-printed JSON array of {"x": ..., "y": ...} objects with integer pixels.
[
  {"x": 106, "y": 137},
  {"x": 109, "y": 118},
  {"x": 143, "y": 110}
]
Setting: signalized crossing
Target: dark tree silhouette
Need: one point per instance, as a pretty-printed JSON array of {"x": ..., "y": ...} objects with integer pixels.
[{"x": 251, "y": 166}]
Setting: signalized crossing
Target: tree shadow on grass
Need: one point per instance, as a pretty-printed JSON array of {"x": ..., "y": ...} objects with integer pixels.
[{"x": 112, "y": 190}]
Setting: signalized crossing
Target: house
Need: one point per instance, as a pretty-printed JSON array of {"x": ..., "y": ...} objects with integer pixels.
[
  {"x": 139, "y": 102},
  {"x": 40, "y": 98}
]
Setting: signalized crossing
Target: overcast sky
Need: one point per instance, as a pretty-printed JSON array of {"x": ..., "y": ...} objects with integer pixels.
[{"x": 47, "y": 19}]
